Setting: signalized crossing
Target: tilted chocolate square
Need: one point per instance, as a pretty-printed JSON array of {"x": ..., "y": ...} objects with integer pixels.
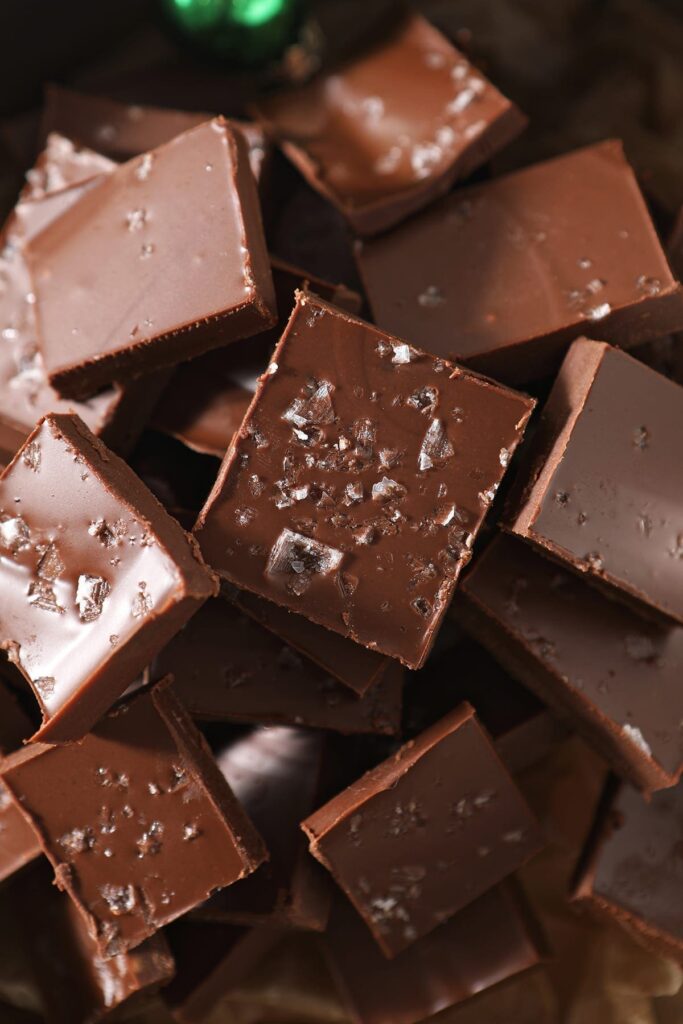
[
  {"x": 95, "y": 577},
  {"x": 605, "y": 489},
  {"x": 420, "y": 836},
  {"x": 130, "y": 279},
  {"x": 137, "y": 820},
  {"x": 358, "y": 481}
]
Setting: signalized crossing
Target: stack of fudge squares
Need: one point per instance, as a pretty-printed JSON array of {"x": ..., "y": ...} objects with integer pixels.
[{"x": 277, "y": 647}]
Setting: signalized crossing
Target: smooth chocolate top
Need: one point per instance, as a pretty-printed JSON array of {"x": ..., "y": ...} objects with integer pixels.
[
  {"x": 19, "y": 843},
  {"x": 276, "y": 774},
  {"x": 505, "y": 274},
  {"x": 634, "y": 868},
  {"x": 426, "y": 832},
  {"x": 606, "y": 490},
  {"x": 619, "y": 672},
  {"x": 487, "y": 942},
  {"x": 127, "y": 276},
  {"x": 394, "y": 126},
  {"x": 94, "y": 576},
  {"x": 359, "y": 480},
  {"x": 137, "y": 821},
  {"x": 206, "y": 400},
  {"x": 228, "y": 668}
]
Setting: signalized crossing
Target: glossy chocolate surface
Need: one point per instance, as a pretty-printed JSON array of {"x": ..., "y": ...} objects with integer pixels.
[
  {"x": 94, "y": 576},
  {"x": 137, "y": 821},
  {"x": 355, "y": 488},
  {"x": 419, "y": 837},
  {"x": 631, "y": 872},
  {"x": 207, "y": 398},
  {"x": 228, "y": 668},
  {"x": 614, "y": 675},
  {"x": 610, "y": 509},
  {"x": 485, "y": 943},
  {"x": 276, "y": 774},
  {"x": 19, "y": 844},
  {"x": 128, "y": 279},
  {"x": 393, "y": 128},
  {"x": 504, "y": 275}
]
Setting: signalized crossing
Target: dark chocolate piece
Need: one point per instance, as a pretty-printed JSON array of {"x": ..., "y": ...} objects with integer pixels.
[
  {"x": 522, "y": 728},
  {"x": 137, "y": 820},
  {"x": 491, "y": 940},
  {"x": 211, "y": 959},
  {"x": 19, "y": 844},
  {"x": 355, "y": 487},
  {"x": 128, "y": 279},
  {"x": 356, "y": 667},
  {"x": 124, "y": 130},
  {"x": 631, "y": 868},
  {"x": 227, "y": 668},
  {"x": 94, "y": 576},
  {"x": 605, "y": 489},
  {"x": 426, "y": 832},
  {"x": 276, "y": 774},
  {"x": 393, "y": 128},
  {"x": 207, "y": 399},
  {"x": 612, "y": 674},
  {"x": 77, "y": 984},
  {"x": 504, "y": 275}
]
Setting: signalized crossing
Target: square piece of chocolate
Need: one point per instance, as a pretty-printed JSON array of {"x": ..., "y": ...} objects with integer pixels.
[
  {"x": 19, "y": 844},
  {"x": 493, "y": 939},
  {"x": 426, "y": 832},
  {"x": 137, "y": 820},
  {"x": 95, "y": 577},
  {"x": 630, "y": 872},
  {"x": 391, "y": 129},
  {"x": 129, "y": 279},
  {"x": 605, "y": 492},
  {"x": 358, "y": 481},
  {"x": 612, "y": 674},
  {"x": 244, "y": 673},
  {"x": 504, "y": 275}
]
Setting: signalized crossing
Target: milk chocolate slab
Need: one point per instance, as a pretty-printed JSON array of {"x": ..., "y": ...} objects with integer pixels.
[
  {"x": 630, "y": 872},
  {"x": 129, "y": 280},
  {"x": 489, "y": 941},
  {"x": 137, "y": 820},
  {"x": 19, "y": 844},
  {"x": 393, "y": 128},
  {"x": 77, "y": 984},
  {"x": 94, "y": 576},
  {"x": 276, "y": 774},
  {"x": 612, "y": 674},
  {"x": 426, "y": 832},
  {"x": 207, "y": 399},
  {"x": 359, "y": 480},
  {"x": 610, "y": 510},
  {"x": 358, "y": 668},
  {"x": 122, "y": 130},
  {"x": 211, "y": 959},
  {"x": 227, "y": 668},
  {"x": 504, "y": 275}
]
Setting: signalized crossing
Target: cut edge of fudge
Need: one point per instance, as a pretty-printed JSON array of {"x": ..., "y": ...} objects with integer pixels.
[
  {"x": 195, "y": 582},
  {"x": 255, "y": 313},
  {"x": 522, "y": 663}
]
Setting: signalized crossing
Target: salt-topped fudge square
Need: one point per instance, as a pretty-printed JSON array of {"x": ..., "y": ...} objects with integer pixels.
[{"x": 358, "y": 480}]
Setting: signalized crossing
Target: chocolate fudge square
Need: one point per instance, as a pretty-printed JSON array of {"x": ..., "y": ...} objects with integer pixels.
[
  {"x": 605, "y": 492},
  {"x": 358, "y": 481},
  {"x": 137, "y": 820},
  {"x": 504, "y": 275},
  {"x": 130, "y": 279},
  {"x": 393, "y": 128},
  {"x": 426, "y": 832},
  {"x": 95, "y": 577}
]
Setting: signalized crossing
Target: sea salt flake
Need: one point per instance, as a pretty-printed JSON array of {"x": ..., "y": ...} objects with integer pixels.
[{"x": 435, "y": 448}]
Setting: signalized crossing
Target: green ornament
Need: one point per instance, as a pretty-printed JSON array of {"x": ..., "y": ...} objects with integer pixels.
[{"x": 250, "y": 33}]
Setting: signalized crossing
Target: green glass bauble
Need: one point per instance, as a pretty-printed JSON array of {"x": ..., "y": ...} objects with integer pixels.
[{"x": 249, "y": 32}]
